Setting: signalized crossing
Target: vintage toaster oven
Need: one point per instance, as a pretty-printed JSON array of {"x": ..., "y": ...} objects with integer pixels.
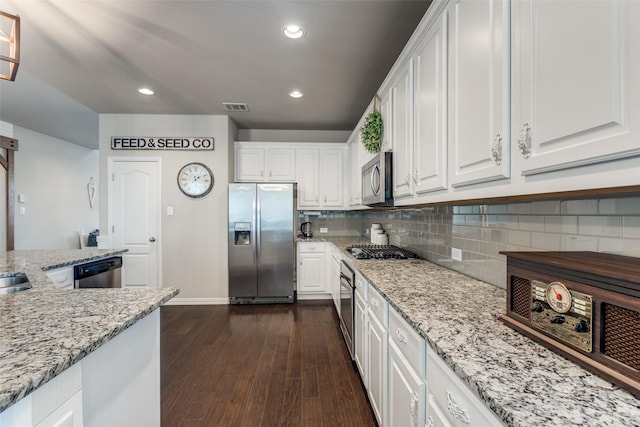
[{"x": 583, "y": 305}]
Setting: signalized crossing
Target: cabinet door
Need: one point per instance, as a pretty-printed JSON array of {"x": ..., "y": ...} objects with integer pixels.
[
  {"x": 406, "y": 404},
  {"x": 281, "y": 164},
  {"x": 402, "y": 134},
  {"x": 576, "y": 82},
  {"x": 69, "y": 414},
  {"x": 360, "y": 336},
  {"x": 355, "y": 171},
  {"x": 249, "y": 164},
  {"x": 479, "y": 91},
  {"x": 333, "y": 191},
  {"x": 308, "y": 180},
  {"x": 376, "y": 365},
  {"x": 430, "y": 109},
  {"x": 311, "y": 273},
  {"x": 386, "y": 110}
]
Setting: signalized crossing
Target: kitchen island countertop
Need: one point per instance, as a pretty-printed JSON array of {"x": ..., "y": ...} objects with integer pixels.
[
  {"x": 522, "y": 382},
  {"x": 45, "y": 330}
]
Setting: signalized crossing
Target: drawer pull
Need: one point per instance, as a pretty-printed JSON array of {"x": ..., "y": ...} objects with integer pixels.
[
  {"x": 61, "y": 279},
  {"x": 401, "y": 338},
  {"x": 524, "y": 140},
  {"x": 375, "y": 303},
  {"x": 457, "y": 412},
  {"x": 430, "y": 422},
  {"x": 413, "y": 407}
]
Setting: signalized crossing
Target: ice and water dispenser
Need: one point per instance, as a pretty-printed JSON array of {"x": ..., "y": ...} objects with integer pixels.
[{"x": 242, "y": 233}]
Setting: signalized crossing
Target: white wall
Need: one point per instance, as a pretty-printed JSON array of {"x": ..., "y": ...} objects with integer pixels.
[
  {"x": 194, "y": 239},
  {"x": 53, "y": 175}
]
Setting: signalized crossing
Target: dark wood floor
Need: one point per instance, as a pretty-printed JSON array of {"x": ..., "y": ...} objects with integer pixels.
[{"x": 259, "y": 365}]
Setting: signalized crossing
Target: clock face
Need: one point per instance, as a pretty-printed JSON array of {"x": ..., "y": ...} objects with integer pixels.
[{"x": 195, "y": 180}]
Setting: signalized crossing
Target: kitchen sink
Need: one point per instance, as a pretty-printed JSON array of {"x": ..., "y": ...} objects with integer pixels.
[{"x": 13, "y": 282}]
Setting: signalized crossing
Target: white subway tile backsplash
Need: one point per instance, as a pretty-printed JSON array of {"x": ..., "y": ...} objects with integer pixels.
[
  {"x": 610, "y": 226},
  {"x": 545, "y": 241},
  {"x": 578, "y": 243},
  {"x": 550, "y": 207},
  {"x": 620, "y": 206},
  {"x": 519, "y": 238},
  {"x": 531, "y": 223},
  {"x": 631, "y": 227},
  {"x": 627, "y": 247},
  {"x": 520, "y": 208},
  {"x": 561, "y": 224},
  {"x": 579, "y": 207}
]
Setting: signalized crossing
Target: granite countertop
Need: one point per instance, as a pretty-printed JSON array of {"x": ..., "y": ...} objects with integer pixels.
[
  {"x": 524, "y": 383},
  {"x": 46, "y": 330}
]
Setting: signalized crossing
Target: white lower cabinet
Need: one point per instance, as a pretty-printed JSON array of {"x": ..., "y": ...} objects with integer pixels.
[
  {"x": 333, "y": 274},
  {"x": 311, "y": 268},
  {"x": 406, "y": 388},
  {"x": 450, "y": 402},
  {"x": 360, "y": 354},
  {"x": 376, "y": 361}
]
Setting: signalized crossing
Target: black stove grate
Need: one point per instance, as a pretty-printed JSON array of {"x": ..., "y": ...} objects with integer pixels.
[{"x": 367, "y": 251}]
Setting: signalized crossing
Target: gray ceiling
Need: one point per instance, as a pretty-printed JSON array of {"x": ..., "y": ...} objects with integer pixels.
[{"x": 80, "y": 58}]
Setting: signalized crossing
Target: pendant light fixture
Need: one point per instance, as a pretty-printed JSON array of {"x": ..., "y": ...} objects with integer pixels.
[{"x": 9, "y": 45}]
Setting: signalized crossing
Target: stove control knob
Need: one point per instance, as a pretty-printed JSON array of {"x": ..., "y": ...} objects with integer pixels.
[
  {"x": 581, "y": 326},
  {"x": 558, "y": 319},
  {"x": 537, "y": 307}
]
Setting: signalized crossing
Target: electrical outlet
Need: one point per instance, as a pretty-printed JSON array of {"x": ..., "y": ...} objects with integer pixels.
[
  {"x": 324, "y": 230},
  {"x": 456, "y": 254}
]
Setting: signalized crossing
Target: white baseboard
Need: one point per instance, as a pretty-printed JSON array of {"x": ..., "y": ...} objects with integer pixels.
[
  {"x": 301, "y": 297},
  {"x": 198, "y": 301}
]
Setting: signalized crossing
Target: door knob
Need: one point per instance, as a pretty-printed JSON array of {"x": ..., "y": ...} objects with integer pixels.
[{"x": 152, "y": 239}]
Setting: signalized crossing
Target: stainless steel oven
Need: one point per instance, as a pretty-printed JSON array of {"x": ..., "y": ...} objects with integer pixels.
[{"x": 347, "y": 294}]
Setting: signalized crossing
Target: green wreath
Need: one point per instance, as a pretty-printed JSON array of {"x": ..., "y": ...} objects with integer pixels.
[{"x": 371, "y": 132}]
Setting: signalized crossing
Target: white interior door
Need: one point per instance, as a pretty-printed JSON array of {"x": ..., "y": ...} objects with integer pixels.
[{"x": 134, "y": 200}]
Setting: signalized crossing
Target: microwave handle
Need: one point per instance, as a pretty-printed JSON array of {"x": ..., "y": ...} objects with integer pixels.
[{"x": 376, "y": 170}]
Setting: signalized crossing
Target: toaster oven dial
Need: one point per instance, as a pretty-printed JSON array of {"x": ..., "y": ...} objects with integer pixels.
[{"x": 558, "y": 297}]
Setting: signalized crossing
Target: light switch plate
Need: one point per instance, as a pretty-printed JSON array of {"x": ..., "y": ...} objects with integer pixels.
[{"x": 324, "y": 230}]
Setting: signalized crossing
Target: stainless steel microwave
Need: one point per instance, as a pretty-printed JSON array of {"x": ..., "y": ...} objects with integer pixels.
[{"x": 377, "y": 181}]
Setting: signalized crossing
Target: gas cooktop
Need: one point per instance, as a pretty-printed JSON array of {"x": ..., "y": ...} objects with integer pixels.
[{"x": 380, "y": 252}]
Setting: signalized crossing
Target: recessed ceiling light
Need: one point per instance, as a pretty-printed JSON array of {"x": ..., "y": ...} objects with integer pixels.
[
  {"x": 296, "y": 94},
  {"x": 293, "y": 31},
  {"x": 145, "y": 91}
]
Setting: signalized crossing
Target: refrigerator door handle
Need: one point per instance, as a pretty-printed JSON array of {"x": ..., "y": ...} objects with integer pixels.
[{"x": 258, "y": 229}]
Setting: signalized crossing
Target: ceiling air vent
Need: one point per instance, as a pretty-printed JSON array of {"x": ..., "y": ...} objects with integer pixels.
[{"x": 235, "y": 107}]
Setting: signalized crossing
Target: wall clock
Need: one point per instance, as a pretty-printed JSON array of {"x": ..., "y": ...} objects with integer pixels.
[{"x": 195, "y": 180}]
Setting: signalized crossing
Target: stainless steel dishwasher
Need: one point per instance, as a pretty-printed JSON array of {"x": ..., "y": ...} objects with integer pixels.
[{"x": 101, "y": 273}]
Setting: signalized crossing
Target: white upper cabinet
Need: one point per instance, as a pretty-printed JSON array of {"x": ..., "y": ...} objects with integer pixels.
[
  {"x": 386, "y": 108},
  {"x": 355, "y": 169},
  {"x": 402, "y": 136},
  {"x": 253, "y": 163},
  {"x": 430, "y": 109},
  {"x": 320, "y": 178},
  {"x": 576, "y": 70},
  {"x": 479, "y": 91}
]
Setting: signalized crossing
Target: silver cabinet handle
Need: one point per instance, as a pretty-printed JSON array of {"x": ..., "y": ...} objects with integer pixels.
[
  {"x": 524, "y": 140},
  {"x": 261, "y": 173},
  {"x": 401, "y": 338},
  {"x": 152, "y": 239},
  {"x": 375, "y": 303},
  {"x": 408, "y": 178},
  {"x": 457, "y": 412},
  {"x": 415, "y": 176},
  {"x": 270, "y": 173},
  {"x": 413, "y": 407},
  {"x": 430, "y": 422},
  {"x": 496, "y": 149}
]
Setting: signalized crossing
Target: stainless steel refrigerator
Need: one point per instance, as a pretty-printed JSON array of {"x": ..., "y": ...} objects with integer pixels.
[{"x": 261, "y": 243}]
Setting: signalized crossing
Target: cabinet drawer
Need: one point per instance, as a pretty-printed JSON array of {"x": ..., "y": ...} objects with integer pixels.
[
  {"x": 378, "y": 306},
  {"x": 361, "y": 285},
  {"x": 311, "y": 247},
  {"x": 459, "y": 405},
  {"x": 435, "y": 414},
  {"x": 410, "y": 344}
]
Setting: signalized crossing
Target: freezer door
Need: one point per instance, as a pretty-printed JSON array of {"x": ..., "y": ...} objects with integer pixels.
[
  {"x": 275, "y": 239},
  {"x": 243, "y": 279}
]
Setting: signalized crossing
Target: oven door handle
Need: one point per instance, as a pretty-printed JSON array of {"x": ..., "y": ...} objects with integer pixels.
[{"x": 346, "y": 279}]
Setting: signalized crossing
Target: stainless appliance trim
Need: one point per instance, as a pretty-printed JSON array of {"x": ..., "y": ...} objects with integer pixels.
[
  {"x": 377, "y": 181},
  {"x": 347, "y": 303},
  {"x": 102, "y": 273}
]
